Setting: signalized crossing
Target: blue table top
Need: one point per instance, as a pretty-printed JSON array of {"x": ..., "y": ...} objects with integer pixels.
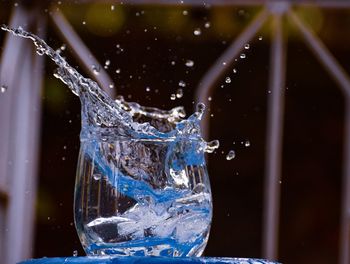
[{"x": 144, "y": 260}]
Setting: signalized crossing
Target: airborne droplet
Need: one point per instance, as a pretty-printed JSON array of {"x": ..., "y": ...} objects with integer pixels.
[
  {"x": 189, "y": 63},
  {"x": 231, "y": 155},
  {"x": 242, "y": 56},
  {"x": 3, "y": 88},
  {"x": 179, "y": 93},
  {"x": 228, "y": 80},
  {"x": 197, "y": 32},
  {"x": 212, "y": 145},
  {"x": 182, "y": 84}
]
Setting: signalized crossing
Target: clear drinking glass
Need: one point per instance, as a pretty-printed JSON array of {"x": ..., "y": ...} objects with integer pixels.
[{"x": 142, "y": 196}]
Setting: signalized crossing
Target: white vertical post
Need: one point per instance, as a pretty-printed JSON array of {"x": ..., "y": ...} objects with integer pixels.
[
  {"x": 21, "y": 71},
  {"x": 274, "y": 138}
]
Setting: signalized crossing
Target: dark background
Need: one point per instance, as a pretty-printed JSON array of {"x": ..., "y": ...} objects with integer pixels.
[{"x": 313, "y": 126}]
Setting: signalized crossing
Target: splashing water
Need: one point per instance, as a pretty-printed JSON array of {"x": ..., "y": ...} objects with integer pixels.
[{"x": 142, "y": 186}]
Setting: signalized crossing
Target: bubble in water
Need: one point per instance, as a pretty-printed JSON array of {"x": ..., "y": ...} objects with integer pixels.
[
  {"x": 228, "y": 80},
  {"x": 207, "y": 25},
  {"x": 212, "y": 145},
  {"x": 3, "y": 88},
  {"x": 96, "y": 69},
  {"x": 260, "y": 38},
  {"x": 234, "y": 70},
  {"x": 197, "y": 32},
  {"x": 182, "y": 84},
  {"x": 97, "y": 177},
  {"x": 242, "y": 56},
  {"x": 75, "y": 253},
  {"x": 247, "y": 143},
  {"x": 179, "y": 93},
  {"x": 117, "y": 71},
  {"x": 172, "y": 97},
  {"x": 246, "y": 46},
  {"x": 189, "y": 63},
  {"x": 231, "y": 155}
]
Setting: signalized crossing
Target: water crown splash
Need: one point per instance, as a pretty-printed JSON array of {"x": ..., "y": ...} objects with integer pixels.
[{"x": 142, "y": 186}]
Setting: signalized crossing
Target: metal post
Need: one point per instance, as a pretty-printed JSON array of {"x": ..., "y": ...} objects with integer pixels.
[
  {"x": 274, "y": 140},
  {"x": 207, "y": 83},
  {"x": 342, "y": 78},
  {"x": 81, "y": 52}
]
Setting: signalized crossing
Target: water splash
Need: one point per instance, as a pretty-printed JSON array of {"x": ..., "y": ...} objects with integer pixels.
[
  {"x": 100, "y": 112},
  {"x": 150, "y": 161}
]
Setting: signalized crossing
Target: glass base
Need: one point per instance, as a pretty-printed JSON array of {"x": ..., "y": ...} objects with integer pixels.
[{"x": 144, "y": 260}]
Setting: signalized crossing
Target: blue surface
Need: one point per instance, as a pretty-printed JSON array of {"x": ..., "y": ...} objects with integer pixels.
[{"x": 143, "y": 260}]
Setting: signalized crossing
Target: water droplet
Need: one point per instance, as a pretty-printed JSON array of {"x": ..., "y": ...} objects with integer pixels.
[
  {"x": 75, "y": 253},
  {"x": 179, "y": 93},
  {"x": 212, "y": 145},
  {"x": 242, "y": 56},
  {"x": 228, "y": 80},
  {"x": 111, "y": 86},
  {"x": 117, "y": 71},
  {"x": 148, "y": 89},
  {"x": 107, "y": 63},
  {"x": 260, "y": 38},
  {"x": 172, "y": 63},
  {"x": 185, "y": 12},
  {"x": 246, "y": 46},
  {"x": 247, "y": 143},
  {"x": 84, "y": 22},
  {"x": 182, "y": 84},
  {"x": 3, "y": 88},
  {"x": 224, "y": 63},
  {"x": 189, "y": 63},
  {"x": 197, "y": 32},
  {"x": 172, "y": 97},
  {"x": 209, "y": 99},
  {"x": 112, "y": 7},
  {"x": 97, "y": 177},
  {"x": 207, "y": 25},
  {"x": 96, "y": 69},
  {"x": 231, "y": 155},
  {"x": 63, "y": 47}
]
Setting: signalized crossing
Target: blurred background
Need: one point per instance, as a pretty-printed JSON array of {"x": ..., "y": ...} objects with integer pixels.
[{"x": 153, "y": 50}]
